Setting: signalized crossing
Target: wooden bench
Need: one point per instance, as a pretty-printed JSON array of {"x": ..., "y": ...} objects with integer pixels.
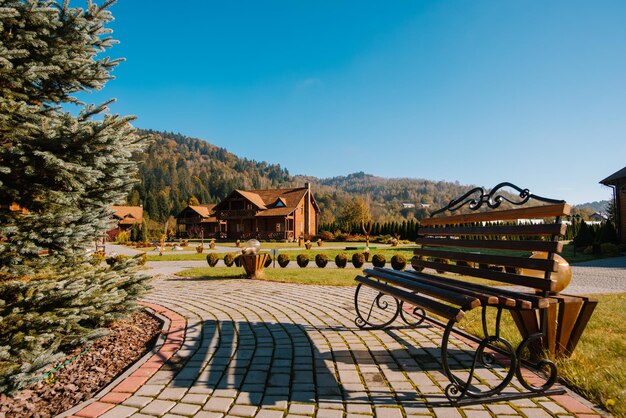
[{"x": 493, "y": 245}]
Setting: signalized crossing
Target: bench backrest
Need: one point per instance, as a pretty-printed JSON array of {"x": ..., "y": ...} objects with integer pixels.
[{"x": 457, "y": 243}]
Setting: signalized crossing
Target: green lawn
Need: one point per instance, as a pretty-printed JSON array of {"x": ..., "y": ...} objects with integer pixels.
[{"x": 329, "y": 277}]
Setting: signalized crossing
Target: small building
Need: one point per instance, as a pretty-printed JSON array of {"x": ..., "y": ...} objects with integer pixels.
[
  {"x": 408, "y": 205},
  {"x": 127, "y": 216},
  {"x": 282, "y": 214},
  {"x": 197, "y": 221},
  {"x": 599, "y": 217},
  {"x": 618, "y": 182},
  {"x": 9, "y": 206}
]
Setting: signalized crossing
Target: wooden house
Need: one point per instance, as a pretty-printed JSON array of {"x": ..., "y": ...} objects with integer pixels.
[
  {"x": 199, "y": 220},
  {"x": 281, "y": 214},
  {"x": 618, "y": 182},
  {"x": 127, "y": 216}
]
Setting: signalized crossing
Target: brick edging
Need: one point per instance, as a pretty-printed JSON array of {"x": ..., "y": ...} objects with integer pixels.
[{"x": 137, "y": 375}]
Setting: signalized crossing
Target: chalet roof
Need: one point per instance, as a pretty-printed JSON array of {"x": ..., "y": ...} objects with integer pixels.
[
  {"x": 203, "y": 210},
  {"x": 612, "y": 179},
  {"x": 253, "y": 197},
  {"x": 274, "y": 202},
  {"x": 128, "y": 214}
]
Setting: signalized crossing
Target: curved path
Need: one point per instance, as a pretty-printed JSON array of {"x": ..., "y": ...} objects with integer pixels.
[{"x": 270, "y": 350}]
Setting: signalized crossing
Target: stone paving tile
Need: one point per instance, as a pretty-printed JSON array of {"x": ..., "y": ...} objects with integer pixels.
[{"x": 255, "y": 348}]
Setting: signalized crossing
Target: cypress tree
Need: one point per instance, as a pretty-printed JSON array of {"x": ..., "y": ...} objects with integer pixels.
[{"x": 65, "y": 171}]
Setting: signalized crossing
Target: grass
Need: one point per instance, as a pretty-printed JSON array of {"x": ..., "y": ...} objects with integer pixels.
[
  {"x": 596, "y": 369},
  {"x": 317, "y": 276}
]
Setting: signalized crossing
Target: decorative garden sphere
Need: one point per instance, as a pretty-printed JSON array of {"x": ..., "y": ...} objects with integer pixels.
[
  {"x": 562, "y": 276},
  {"x": 252, "y": 247}
]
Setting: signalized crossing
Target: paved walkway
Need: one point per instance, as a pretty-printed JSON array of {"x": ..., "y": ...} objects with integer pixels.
[{"x": 270, "y": 350}]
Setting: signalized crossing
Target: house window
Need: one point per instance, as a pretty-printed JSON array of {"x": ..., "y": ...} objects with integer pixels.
[{"x": 278, "y": 226}]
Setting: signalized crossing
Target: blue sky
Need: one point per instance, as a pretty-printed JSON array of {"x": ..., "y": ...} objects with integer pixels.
[{"x": 530, "y": 92}]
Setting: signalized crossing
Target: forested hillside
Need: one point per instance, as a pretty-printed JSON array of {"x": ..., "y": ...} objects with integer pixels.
[{"x": 177, "y": 169}]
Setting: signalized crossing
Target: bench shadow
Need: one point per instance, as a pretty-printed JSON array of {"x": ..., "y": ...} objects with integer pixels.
[{"x": 269, "y": 364}]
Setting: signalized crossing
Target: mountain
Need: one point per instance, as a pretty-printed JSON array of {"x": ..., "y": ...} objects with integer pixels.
[
  {"x": 176, "y": 168},
  {"x": 598, "y": 206}
]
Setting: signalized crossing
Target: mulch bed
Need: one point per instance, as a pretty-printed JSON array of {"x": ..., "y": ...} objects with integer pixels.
[{"x": 83, "y": 377}]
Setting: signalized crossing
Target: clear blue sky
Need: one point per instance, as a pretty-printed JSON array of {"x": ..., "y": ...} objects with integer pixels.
[{"x": 532, "y": 92}]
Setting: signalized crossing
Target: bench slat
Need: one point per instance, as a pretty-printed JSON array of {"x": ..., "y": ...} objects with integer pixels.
[
  {"x": 559, "y": 209},
  {"x": 408, "y": 281},
  {"x": 466, "y": 302},
  {"x": 528, "y": 281},
  {"x": 430, "y": 305},
  {"x": 500, "y": 260},
  {"x": 544, "y": 246},
  {"x": 541, "y": 229},
  {"x": 535, "y": 300}
]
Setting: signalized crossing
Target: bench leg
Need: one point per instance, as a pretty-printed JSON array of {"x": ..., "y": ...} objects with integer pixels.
[
  {"x": 372, "y": 310},
  {"x": 458, "y": 388},
  {"x": 463, "y": 392}
]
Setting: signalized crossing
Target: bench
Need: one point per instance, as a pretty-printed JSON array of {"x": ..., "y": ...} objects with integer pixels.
[{"x": 492, "y": 246}]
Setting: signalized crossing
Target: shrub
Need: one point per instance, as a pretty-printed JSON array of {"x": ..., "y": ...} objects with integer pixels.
[
  {"x": 398, "y": 262},
  {"x": 96, "y": 259},
  {"x": 358, "y": 259},
  {"x": 212, "y": 259},
  {"x": 608, "y": 248},
  {"x": 123, "y": 237},
  {"x": 238, "y": 261},
  {"x": 111, "y": 261},
  {"x": 268, "y": 261},
  {"x": 341, "y": 260},
  {"x": 229, "y": 259},
  {"x": 302, "y": 260},
  {"x": 327, "y": 236},
  {"x": 379, "y": 260},
  {"x": 588, "y": 250},
  {"x": 283, "y": 260},
  {"x": 321, "y": 260},
  {"x": 414, "y": 261}
]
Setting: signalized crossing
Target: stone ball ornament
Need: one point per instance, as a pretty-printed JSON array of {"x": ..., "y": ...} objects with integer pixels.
[{"x": 251, "y": 247}]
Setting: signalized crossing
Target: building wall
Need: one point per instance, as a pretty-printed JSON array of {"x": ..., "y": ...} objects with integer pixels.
[
  {"x": 300, "y": 219},
  {"x": 620, "y": 190}
]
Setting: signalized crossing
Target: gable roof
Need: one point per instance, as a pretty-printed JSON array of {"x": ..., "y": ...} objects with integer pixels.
[
  {"x": 128, "y": 214},
  {"x": 612, "y": 179},
  {"x": 267, "y": 200},
  {"x": 203, "y": 210}
]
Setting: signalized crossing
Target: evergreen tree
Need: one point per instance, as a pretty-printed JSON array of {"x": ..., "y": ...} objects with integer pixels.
[{"x": 65, "y": 171}]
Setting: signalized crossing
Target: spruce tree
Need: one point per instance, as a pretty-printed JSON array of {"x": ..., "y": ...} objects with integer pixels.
[{"x": 65, "y": 170}]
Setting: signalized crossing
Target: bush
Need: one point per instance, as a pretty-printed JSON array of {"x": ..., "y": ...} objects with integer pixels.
[
  {"x": 327, "y": 236},
  {"x": 379, "y": 260},
  {"x": 358, "y": 259},
  {"x": 268, "y": 261},
  {"x": 238, "y": 261},
  {"x": 111, "y": 261},
  {"x": 341, "y": 260},
  {"x": 302, "y": 260},
  {"x": 212, "y": 259},
  {"x": 283, "y": 260},
  {"x": 414, "y": 261},
  {"x": 123, "y": 237},
  {"x": 588, "y": 250},
  {"x": 398, "y": 262},
  {"x": 229, "y": 259},
  {"x": 96, "y": 259},
  {"x": 608, "y": 248},
  {"x": 321, "y": 260}
]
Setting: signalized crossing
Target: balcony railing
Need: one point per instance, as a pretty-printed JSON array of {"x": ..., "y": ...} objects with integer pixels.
[{"x": 234, "y": 214}]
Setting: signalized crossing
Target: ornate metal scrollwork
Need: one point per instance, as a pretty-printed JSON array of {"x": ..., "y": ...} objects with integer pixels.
[
  {"x": 493, "y": 199},
  {"x": 367, "y": 319},
  {"x": 418, "y": 315},
  {"x": 540, "y": 365}
]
